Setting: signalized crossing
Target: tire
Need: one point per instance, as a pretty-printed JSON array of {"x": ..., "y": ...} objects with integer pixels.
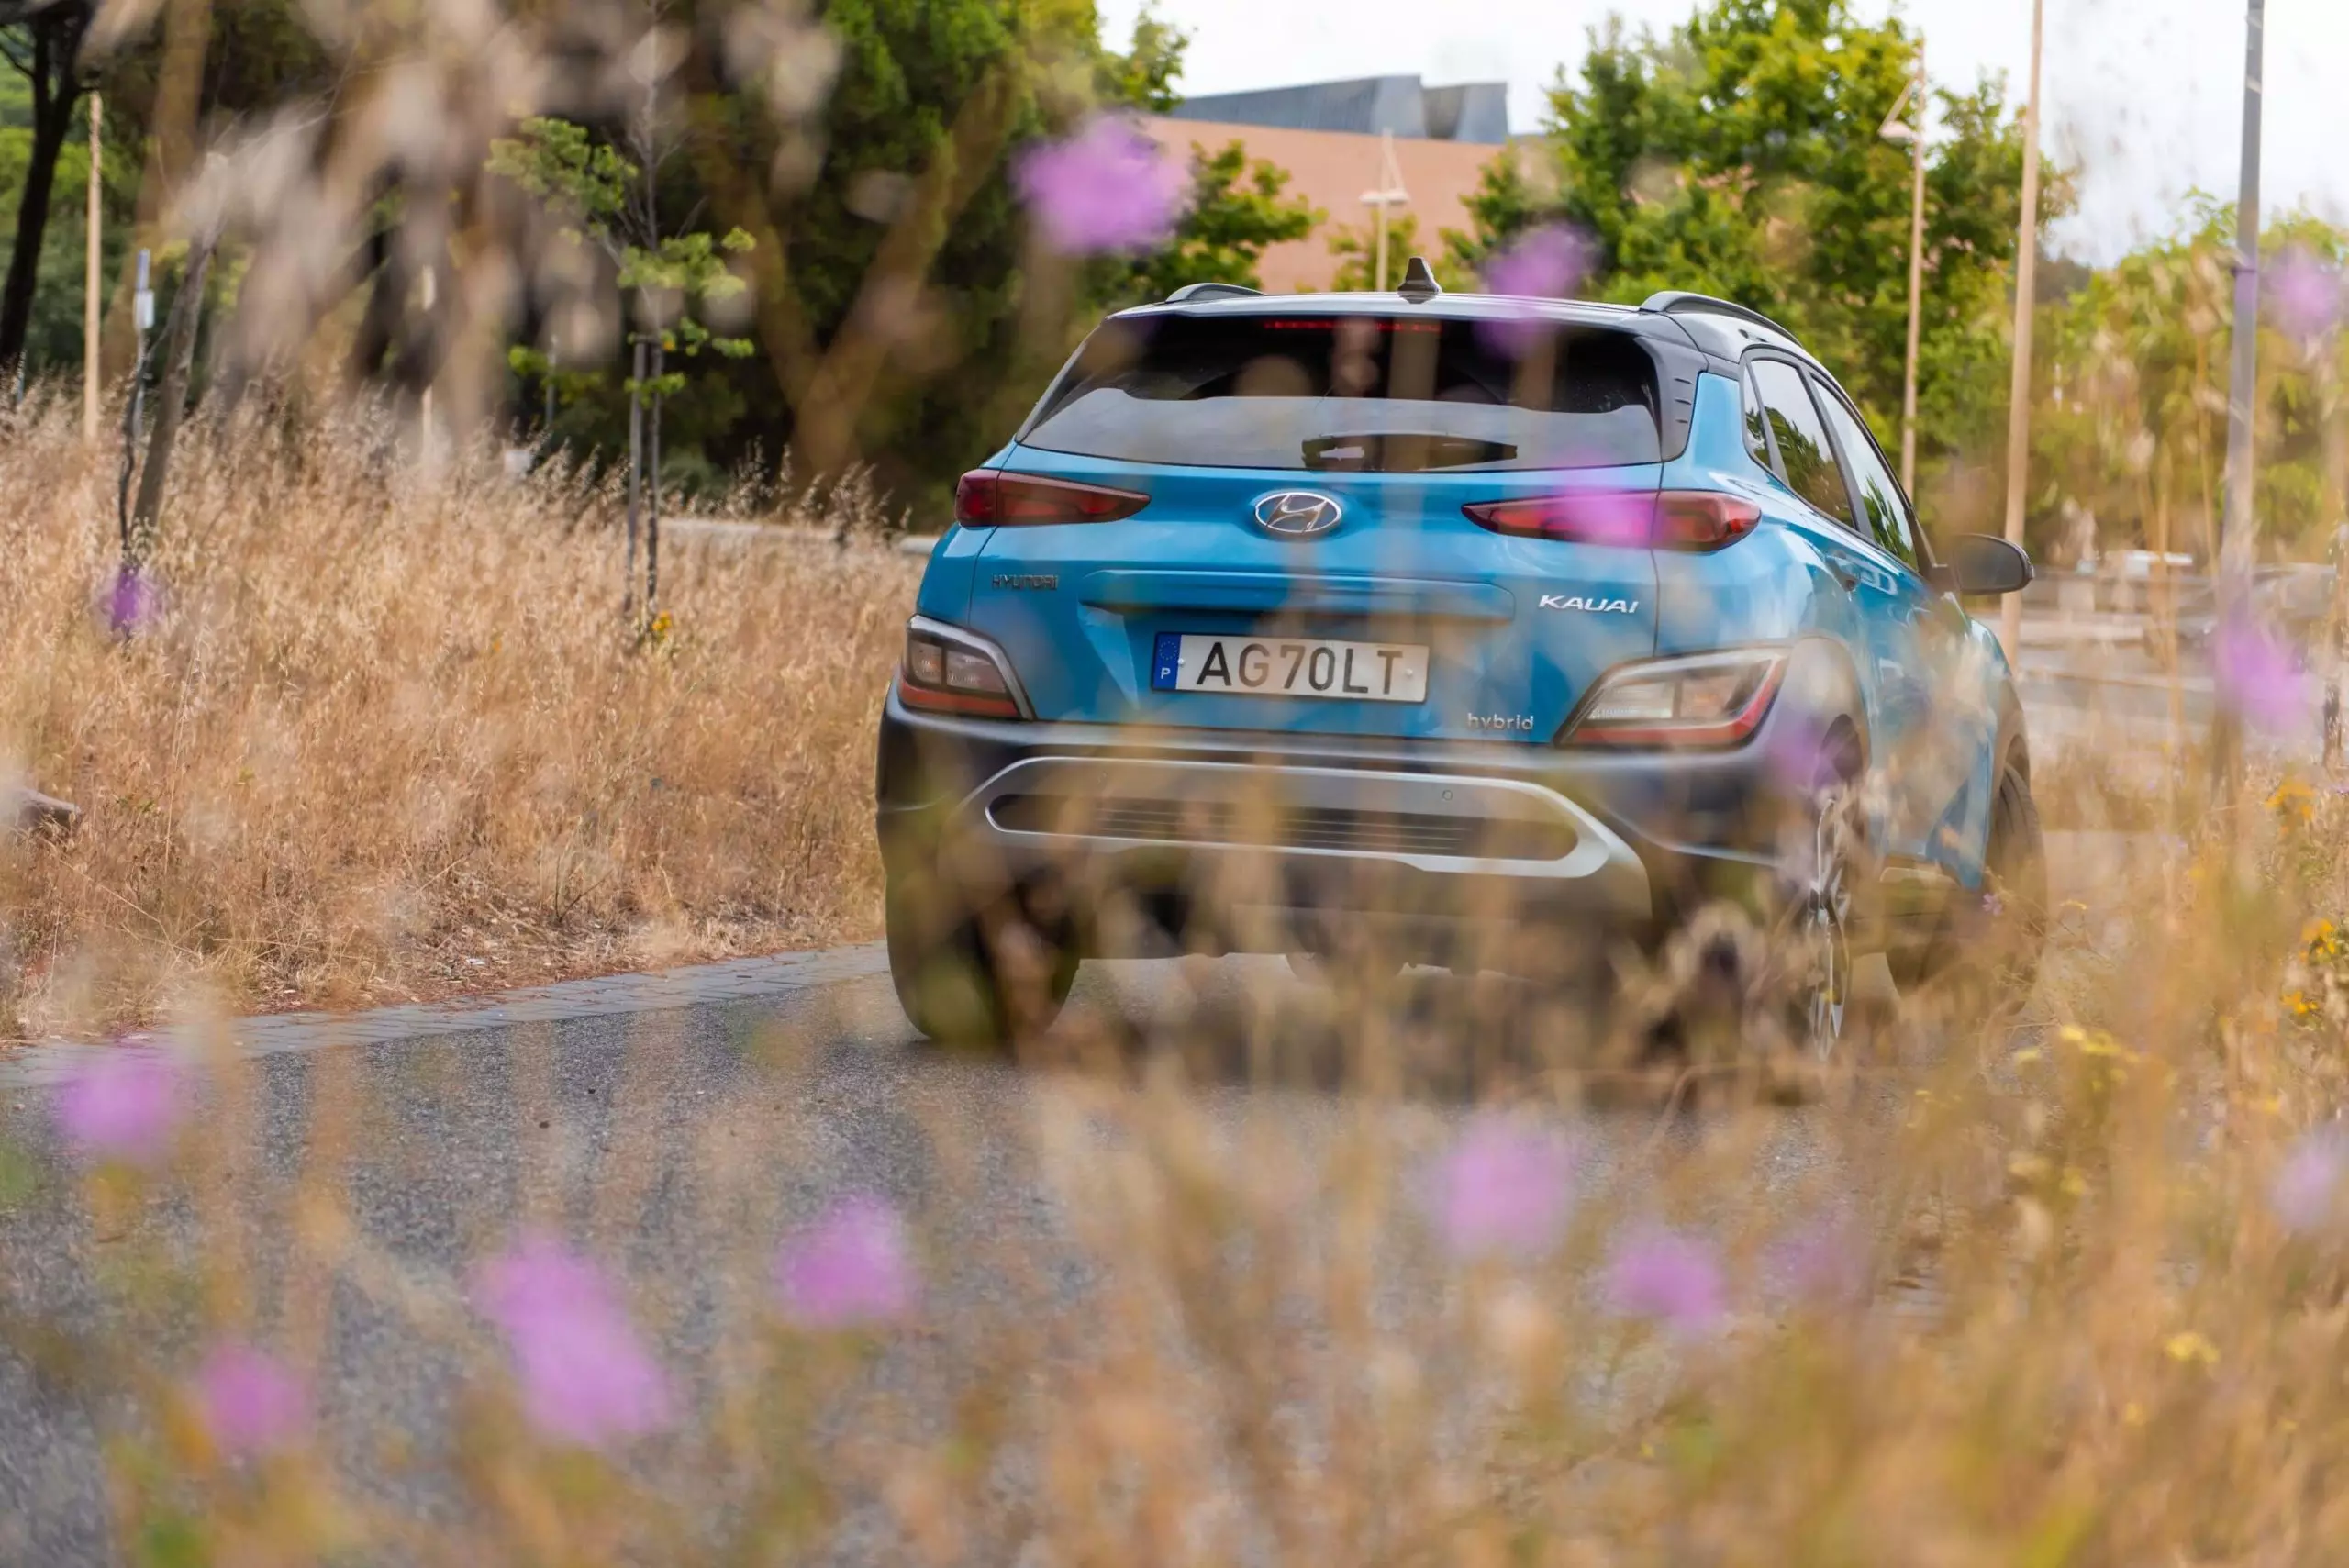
[
  {"x": 1823, "y": 911},
  {"x": 978, "y": 983},
  {"x": 1993, "y": 942}
]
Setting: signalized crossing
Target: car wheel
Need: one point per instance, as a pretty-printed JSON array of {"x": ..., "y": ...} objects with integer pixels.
[
  {"x": 1996, "y": 938},
  {"x": 1827, "y": 873},
  {"x": 980, "y": 982}
]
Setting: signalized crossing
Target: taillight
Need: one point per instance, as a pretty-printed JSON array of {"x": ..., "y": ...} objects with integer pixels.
[
  {"x": 989, "y": 498},
  {"x": 1702, "y": 519},
  {"x": 1675, "y": 519},
  {"x": 953, "y": 671},
  {"x": 1718, "y": 699}
]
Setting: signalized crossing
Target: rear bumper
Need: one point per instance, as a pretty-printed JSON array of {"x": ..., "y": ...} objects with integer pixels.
[{"x": 1253, "y": 842}]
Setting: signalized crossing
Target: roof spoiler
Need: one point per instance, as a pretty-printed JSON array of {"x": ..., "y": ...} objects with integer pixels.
[{"x": 1210, "y": 290}]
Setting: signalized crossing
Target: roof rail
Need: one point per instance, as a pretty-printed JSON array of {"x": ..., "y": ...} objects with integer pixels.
[
  {"x": 1209, "y": 291},
  {"x": 1676, "y": 301}
]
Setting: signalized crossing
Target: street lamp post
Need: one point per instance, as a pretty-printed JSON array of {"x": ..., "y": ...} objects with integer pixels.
[
  {"x": 2026, "y": 285},
  {"x": 1912, "y": 131},
  {"x": 91, "y": 239},
  {"x": 2239, "y": 544},
  {"x": 1389, "y": 192}
]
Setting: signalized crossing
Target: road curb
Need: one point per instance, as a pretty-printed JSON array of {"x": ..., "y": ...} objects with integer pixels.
[{"x": 52, "y": 1063}]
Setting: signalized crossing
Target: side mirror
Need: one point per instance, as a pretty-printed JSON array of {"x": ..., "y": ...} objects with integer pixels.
[{"x": 1983, "y": 563}]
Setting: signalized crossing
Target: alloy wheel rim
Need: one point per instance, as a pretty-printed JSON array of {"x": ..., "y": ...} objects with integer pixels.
[{"x": 1826, "y": 920}]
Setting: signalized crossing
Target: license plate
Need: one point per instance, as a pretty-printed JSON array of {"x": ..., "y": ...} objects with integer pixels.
[{"x": 1291, "y": 667}]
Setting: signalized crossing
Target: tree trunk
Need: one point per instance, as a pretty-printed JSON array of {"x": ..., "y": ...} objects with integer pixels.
[
  {"x": 178, "y": 355},
  {"x": 56, "y": 37}
]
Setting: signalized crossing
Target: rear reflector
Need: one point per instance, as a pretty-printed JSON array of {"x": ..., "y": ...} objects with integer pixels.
[
  {"x": 988, "y": 497},
  {"x": 1674, "y": 519}
]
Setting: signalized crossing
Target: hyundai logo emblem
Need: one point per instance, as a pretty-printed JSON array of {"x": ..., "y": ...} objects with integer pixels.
[{"x": 1298, "y": 514}]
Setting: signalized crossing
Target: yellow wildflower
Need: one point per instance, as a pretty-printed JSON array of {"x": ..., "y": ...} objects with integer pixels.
[
  {"x": 2190, "y": 1348},
  {"x": 2293, "y": 802}
]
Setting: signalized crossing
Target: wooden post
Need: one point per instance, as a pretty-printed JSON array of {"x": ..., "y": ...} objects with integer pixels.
[
  {"x": 1916, "y": 282},
  {"x": 2019, "y": 386},
  {"x": 635, "y": 473},
  {"x": 90, "y": 288},
  {"x": 2239, "y": 539}
]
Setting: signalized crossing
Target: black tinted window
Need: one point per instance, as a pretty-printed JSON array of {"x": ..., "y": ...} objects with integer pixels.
[
  {"x": 1353, "y": 393},
  {"x": 1808, "y": 459},
  {"x": 1887, "y": 515}
]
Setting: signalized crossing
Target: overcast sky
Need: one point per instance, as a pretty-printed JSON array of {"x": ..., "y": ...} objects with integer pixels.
[{"x": 2144, "y": 94}]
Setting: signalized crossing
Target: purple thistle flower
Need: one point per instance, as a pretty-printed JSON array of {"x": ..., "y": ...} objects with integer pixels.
[
  {"x": 1107, "y": 187},
  {"x": 2306, "y": 1187},
  {"x": 586, "y": 1378},
  {"x": 2304, "y": 292},
  {"x": 1502, "y": 1188},
  {"x": 1545, "y": 263},
  {"x": 251, "y": 1403},
  {"x": 134, "y": 600},
  {"x": 853, "y": 1266},
  {"x": 124, "y": 1105},
  {"x": 2258, "y": 679},
  {"x": 1669, "y": 1278}
]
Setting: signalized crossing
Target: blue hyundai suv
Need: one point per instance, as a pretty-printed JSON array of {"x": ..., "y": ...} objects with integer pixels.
[{"x": 1462, "y": 629}]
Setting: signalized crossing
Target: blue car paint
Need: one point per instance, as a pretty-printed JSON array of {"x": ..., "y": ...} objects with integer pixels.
[
  {"x": 1407, "y": 560},
  {"x": 1084, "y": 651}
]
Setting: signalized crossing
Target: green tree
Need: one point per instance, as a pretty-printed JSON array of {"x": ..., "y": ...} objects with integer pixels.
[
  {"x": 1144, "y": 75},
  {"x": 1357, "y": 252},
  {"x": 41, "y": 46},
  {"x": 1739, "y": 155},
  {"x": 677, "y": 281},
  {"x": 1238, "y": 206},
  {"x": 2131, "y": 422},
  {"x": 1504, "y": 205}
]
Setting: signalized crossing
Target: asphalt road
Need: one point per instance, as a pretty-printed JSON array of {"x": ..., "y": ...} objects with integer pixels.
[{"x": 677, "y": 1147}]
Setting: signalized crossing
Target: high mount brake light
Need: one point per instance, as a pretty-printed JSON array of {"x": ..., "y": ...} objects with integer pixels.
[
  {"x": 988, "y": 497},
  {"x": 1708, "y": 700},
  {"x": 1692, "y": 520},
  {"x": 945, "y": 674}
]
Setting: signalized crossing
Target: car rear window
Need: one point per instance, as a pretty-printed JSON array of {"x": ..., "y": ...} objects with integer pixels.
[{"x": 1354, "y": 394}]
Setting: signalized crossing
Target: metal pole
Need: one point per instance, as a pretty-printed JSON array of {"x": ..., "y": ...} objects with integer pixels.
[
  {"x": 652, "y": 510},
  {"x": 2239, "y": 543},
  {"x": 90, "y": 288},
  {"x": 424, "y": 410},
  {"x": 142, "y": 319},
  {"x": 2026, "y": 285},
  {"x": 1916, "y": 278},
  {"x": 635, "y": 475}
]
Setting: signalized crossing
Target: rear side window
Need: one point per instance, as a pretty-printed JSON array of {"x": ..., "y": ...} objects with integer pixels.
[
  {"x": 1363, "y": 394},
  {"x": 1879, "y": 497},
  {"x": 1809, "y": 460},
  {"x": 1757, "y": 443}
]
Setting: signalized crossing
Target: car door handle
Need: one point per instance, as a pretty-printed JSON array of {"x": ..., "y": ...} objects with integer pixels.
[{"x": 1846, "y": 575}]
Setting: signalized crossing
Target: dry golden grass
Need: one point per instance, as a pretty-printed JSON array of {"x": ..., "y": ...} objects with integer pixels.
[
  {"x": 389, "y": 738},
  {"x": 2072, "y": 1295}
]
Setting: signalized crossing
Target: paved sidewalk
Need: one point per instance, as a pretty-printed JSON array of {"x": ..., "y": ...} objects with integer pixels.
[{"x": 274, "y": 1033}]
